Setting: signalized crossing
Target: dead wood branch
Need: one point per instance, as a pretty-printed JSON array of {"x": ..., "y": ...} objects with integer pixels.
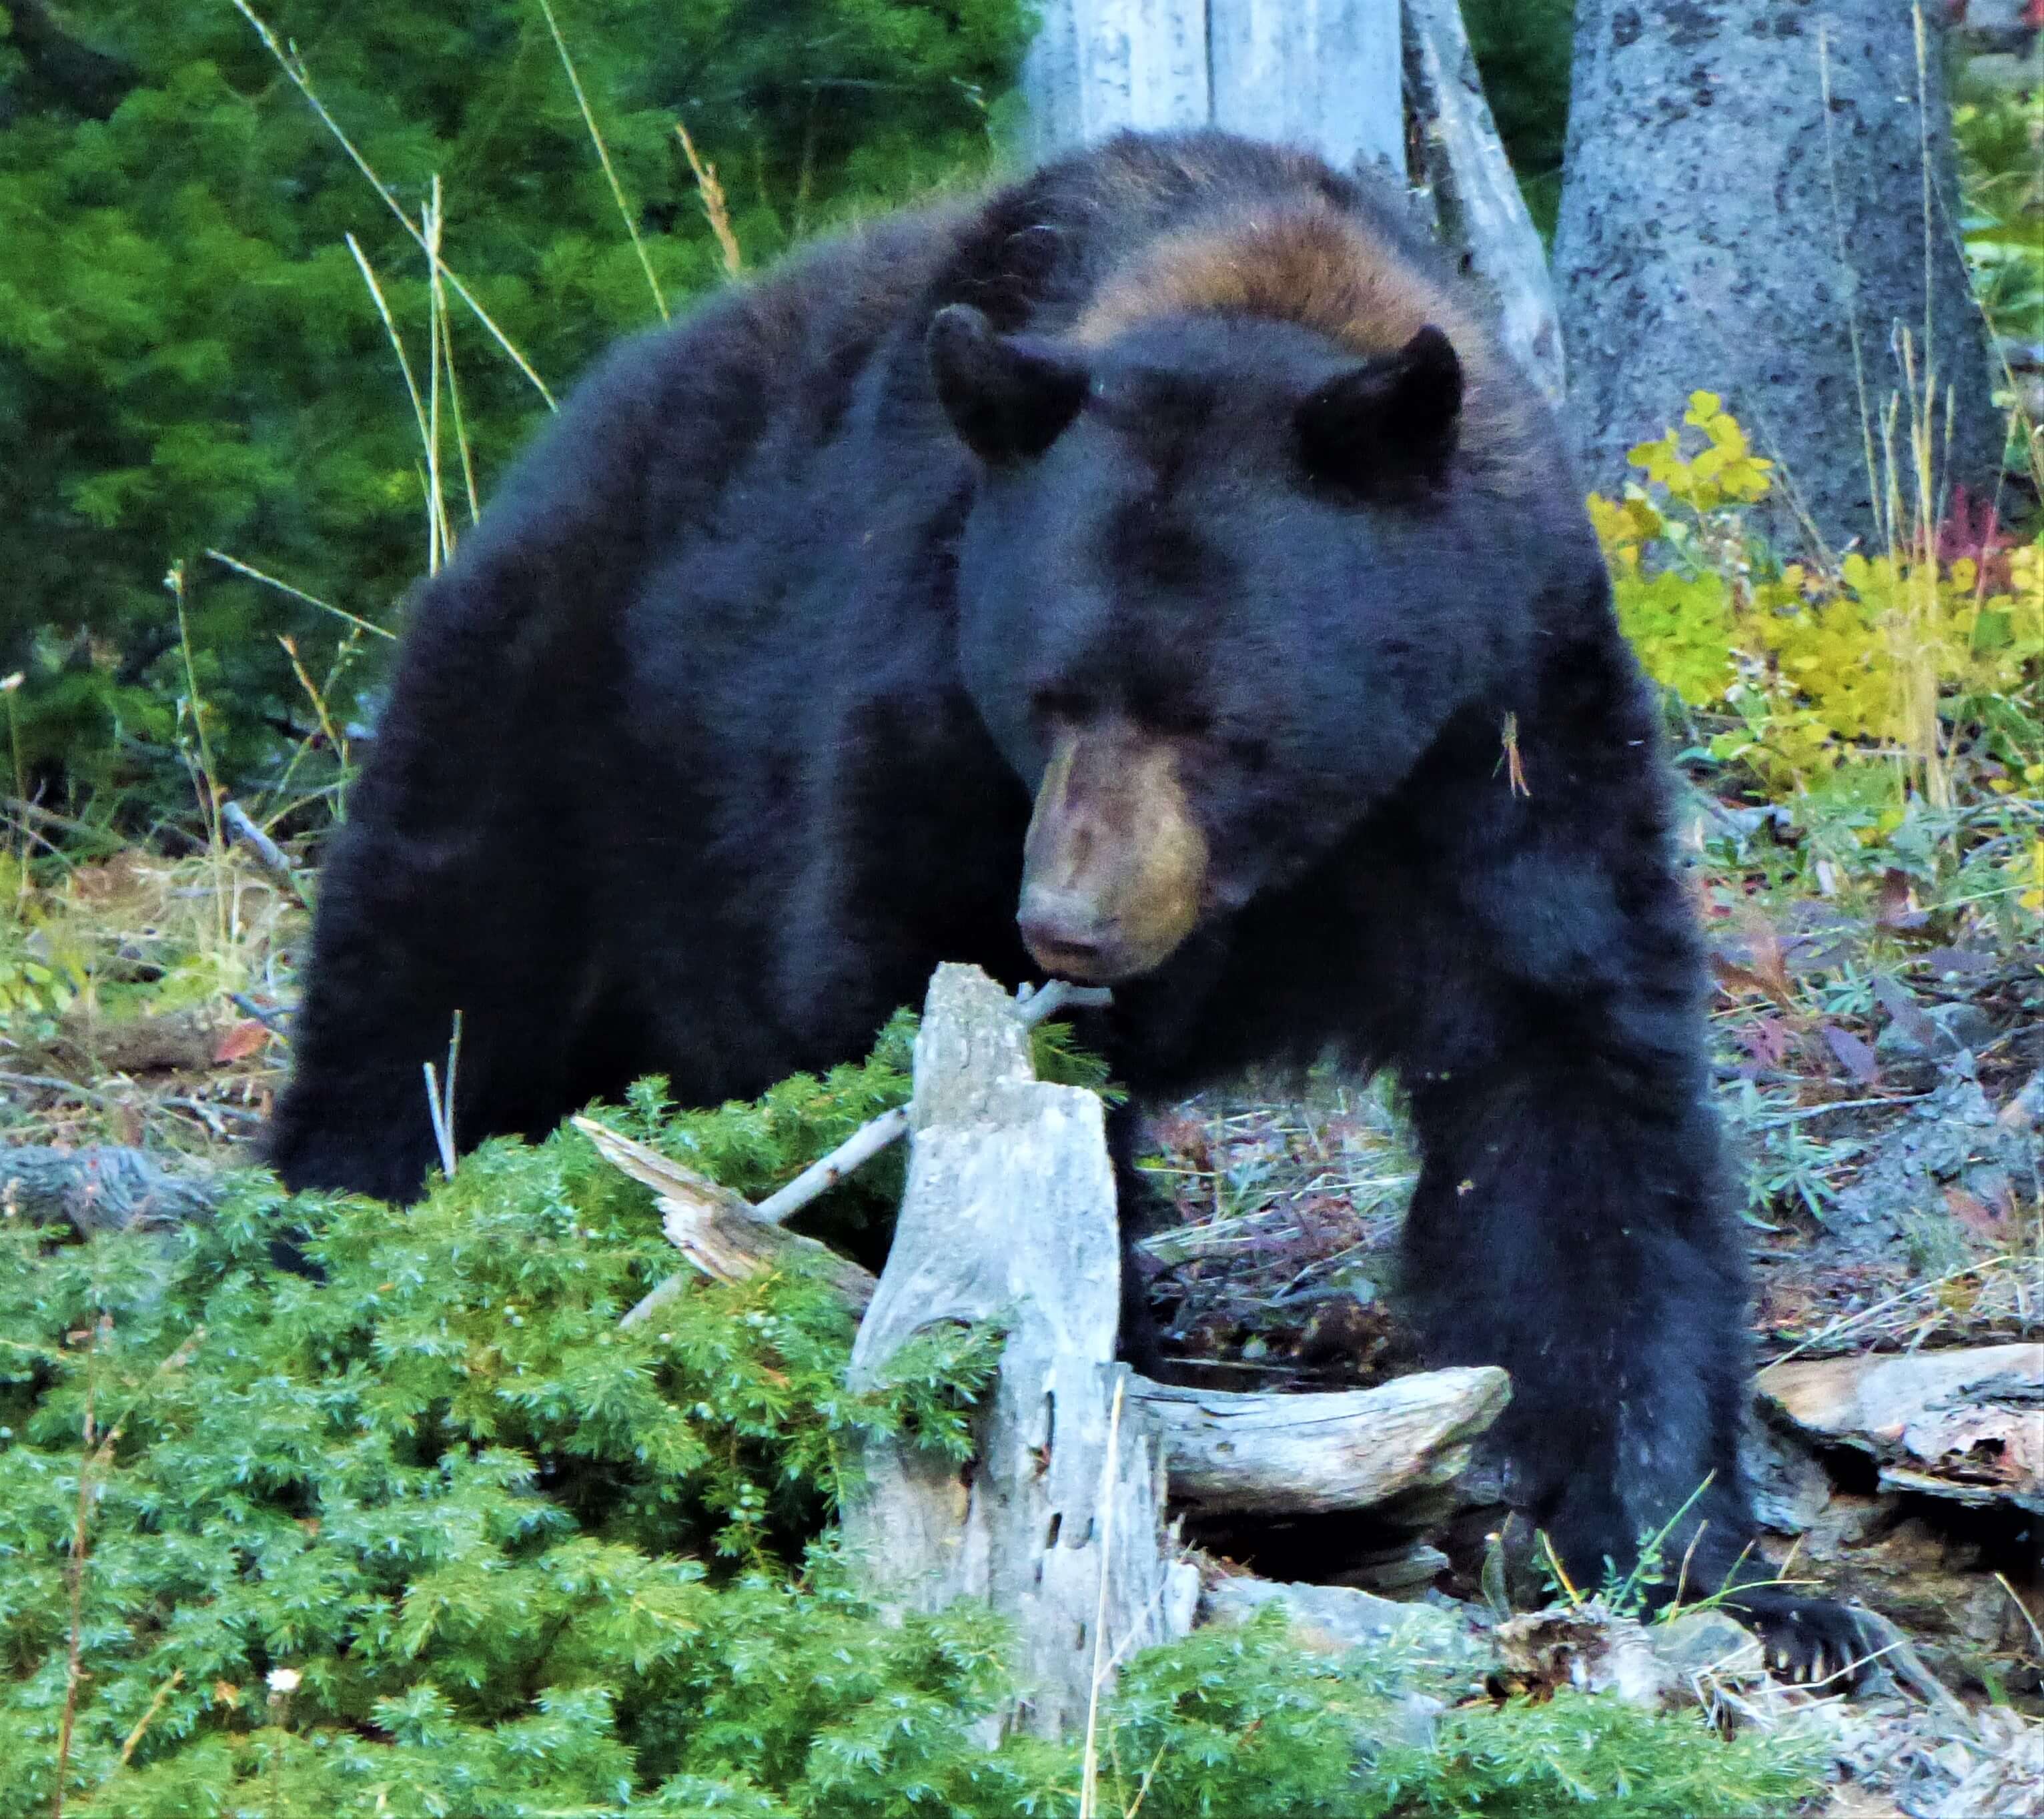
[
  {"x": 716, "y": 1230},
  {"x": 102, "y": 1188},
  {"x": 269, "y": 855},
  {"x": 1346, "y": 1450},
  {"x": 1225, "y": 1450}
]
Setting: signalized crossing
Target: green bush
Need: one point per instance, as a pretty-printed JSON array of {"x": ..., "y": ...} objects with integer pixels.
[
  {"x": 190, "y": 357},
  {"x": 426, "y": 1532},
  {"x": 1523, "y": 48}
]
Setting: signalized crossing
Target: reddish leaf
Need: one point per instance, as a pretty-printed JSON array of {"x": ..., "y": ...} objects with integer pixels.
[
  {"x": 1768, "y": 1041},
  {"x": 1853, "y": 1054},
  {"x": 1895, "y": 905},
  {"x": 1974, "y": 1213},
  {"x": 1768, "y": 963},
  {"x": 246, "y": 1038}
]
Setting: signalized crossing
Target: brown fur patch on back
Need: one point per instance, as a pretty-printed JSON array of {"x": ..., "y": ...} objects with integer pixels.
[{"x": 1310, "y": 264}]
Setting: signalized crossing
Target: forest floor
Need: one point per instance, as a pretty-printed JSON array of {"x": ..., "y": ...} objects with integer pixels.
[{"x": 1879, "y": 1068}]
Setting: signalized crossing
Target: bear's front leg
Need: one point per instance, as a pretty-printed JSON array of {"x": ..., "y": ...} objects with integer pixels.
[{"x": 1569, "y": 1225}]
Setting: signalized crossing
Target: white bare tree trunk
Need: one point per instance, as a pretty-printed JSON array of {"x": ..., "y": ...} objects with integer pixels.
[
  {"x": 1324, "y": 74},
  {"x": 1057, "y": 1523}
]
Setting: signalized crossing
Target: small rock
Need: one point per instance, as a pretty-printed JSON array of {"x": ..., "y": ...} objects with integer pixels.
[
  {"x": 1333, "y": 1615},
  {"x": 1791, "y": 1488},
  {"x": 1953, "y": 1029},
  {"x": 1707, "y": 1642}
]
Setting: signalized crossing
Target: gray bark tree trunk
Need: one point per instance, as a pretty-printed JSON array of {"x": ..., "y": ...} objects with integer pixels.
[{"x": 1759, "y": 199}]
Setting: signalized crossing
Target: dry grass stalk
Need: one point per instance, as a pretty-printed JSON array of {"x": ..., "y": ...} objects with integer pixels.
[
  {"x": 254, "y": 573},
  {"x": 97, "y": 1452},
  {"x": 1090, "y": 1772},
  {"x": 603, "y": 158},
  {"x": 294, "y": 70},
  {"x": 714, "y": 205},
  {"x": 149, "y": 1717},
  {"x": 439, "y": 530}
]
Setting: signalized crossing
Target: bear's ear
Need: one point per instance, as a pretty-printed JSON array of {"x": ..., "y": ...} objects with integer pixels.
[
  {"x": 1009, "y": 396},
  {"x": 1390, "y": 425}
]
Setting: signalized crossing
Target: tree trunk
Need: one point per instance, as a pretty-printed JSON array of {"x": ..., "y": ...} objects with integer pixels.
[
  {"x": 1057, "y": 1522},
  {"x": 1323, "y": 74},
  {"x": 1477, "y": 201},
  {"x": 1722, "y": 229}
]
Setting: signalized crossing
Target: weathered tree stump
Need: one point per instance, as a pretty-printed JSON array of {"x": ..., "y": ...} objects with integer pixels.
[{"x": 1009, "y": 1216}]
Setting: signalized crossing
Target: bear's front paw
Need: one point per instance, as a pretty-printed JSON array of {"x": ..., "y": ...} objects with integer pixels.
[{"x": 1809, "y": 1641}]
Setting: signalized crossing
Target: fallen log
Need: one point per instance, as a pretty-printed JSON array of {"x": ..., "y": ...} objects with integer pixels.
[
  {"x": 1225, "y": 1451},
  {"x": 1967, "y": 1425},
  {"x": 103, "y": 1188},
  {"x": 1281, "y": 1453}
]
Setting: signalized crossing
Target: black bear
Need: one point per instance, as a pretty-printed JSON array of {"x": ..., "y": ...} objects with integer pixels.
[{"x": 1138, "y": 569}]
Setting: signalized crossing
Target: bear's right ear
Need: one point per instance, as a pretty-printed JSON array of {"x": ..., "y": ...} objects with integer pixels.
[{"x": 1009, "y": 396}]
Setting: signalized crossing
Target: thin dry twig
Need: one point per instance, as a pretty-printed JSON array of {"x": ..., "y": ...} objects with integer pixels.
[
  {"x": 820, "y": 1176},
  {"x": 268, "y": 854}
]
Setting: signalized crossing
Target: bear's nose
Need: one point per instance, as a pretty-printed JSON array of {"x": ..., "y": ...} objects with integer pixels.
[{"x": 1067, "y": 935}]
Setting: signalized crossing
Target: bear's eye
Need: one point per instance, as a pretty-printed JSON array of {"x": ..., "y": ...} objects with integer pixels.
[{"x": 1059, "y": 705}]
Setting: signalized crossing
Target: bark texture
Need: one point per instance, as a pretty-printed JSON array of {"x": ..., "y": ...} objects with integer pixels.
[
  {"x": 1323, "y": 74},
  {"x": 1724, "y": 228},
  {"x": 1009, "y": 1214}
]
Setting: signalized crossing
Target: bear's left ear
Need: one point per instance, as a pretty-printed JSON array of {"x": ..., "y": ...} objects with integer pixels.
[
  {"x": 1390, "y": 423},
  {"x": 1009, "y": 396}
]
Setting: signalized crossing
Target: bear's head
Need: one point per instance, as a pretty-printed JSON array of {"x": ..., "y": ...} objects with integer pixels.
[{"x": 1220, "y": 586}]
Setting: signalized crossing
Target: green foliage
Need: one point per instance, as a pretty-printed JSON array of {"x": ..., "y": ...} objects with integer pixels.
[
  {"x": 190, "y": 356},
  {"x": 1575, "y": 1752},
  {"x": 426, "y": 1532},
  {"x": 756, "y": 1149},
  {"x": 1904, "y": 648},
  {"x": 1523, "y": 49},
  {"x": 2002, "y": 179}
]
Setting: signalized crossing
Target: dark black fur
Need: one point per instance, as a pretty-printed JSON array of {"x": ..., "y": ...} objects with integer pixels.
[{"x": 722, "y": 730}]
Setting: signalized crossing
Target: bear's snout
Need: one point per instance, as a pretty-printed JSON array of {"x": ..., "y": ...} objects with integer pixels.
[{"x": 1115, "y": 866}]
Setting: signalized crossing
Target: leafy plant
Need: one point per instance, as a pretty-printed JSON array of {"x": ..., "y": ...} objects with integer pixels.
[
  {"x": 2000, "y": 140},
  {"x": 425, "y": 1532},
  {"x": 1899, "y": 653}
]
